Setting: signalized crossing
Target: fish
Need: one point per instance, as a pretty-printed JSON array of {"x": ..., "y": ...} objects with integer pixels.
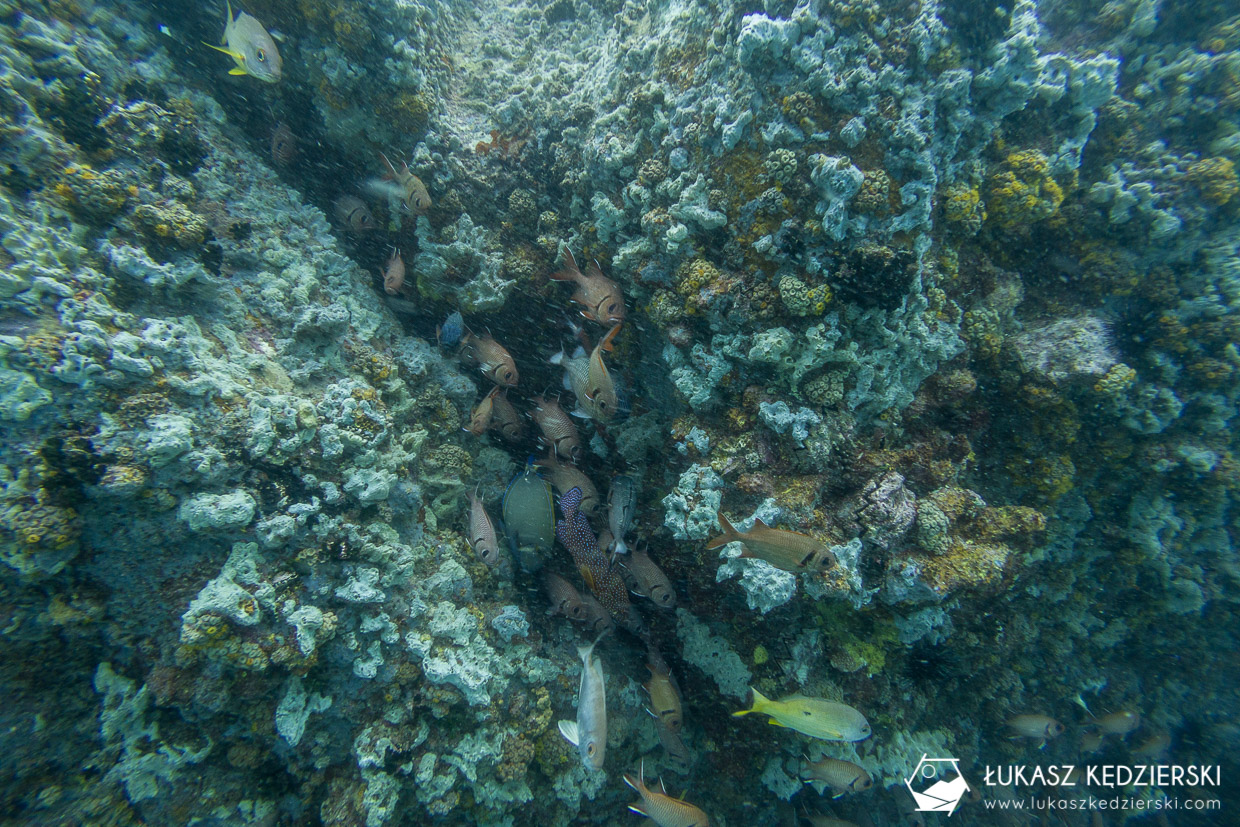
[
  {"x": 353, "y": 213},
  {"x": 393, "y": 274},
  {"x": 1040, "y": 728},
  {"x": 678, "y": 756},
  {"x": 449, "y": 333},
  {"x": 589, "y": 732},
  {"x": 590, "y": 381},
  {"x": 1118, "y": 723},
  {"x": 283, "y": 145},
  {"x": 251, "y": 48},
  {"x": 621, "y": 507},
  {"x": 567, "y": 477},
  {"x": 505, "y": 419},
  {"x": 644, "y": 577},
  {"x": 529, "y": 517},
  {"x": 787, "y": 550},
  {"x": 664, "y": 695},
  {"x": 598, "y": 297},
  {"x": 1153, "y": 747},
  {"x": 841, "y": 776},
  {"x": 480, "y": 419},
  {"x": 482, "y": 536},
  {"x": 493, "y": 359},
  {"x": 403, "y": 186},
  {"x": 596, "y": 618},
  {"x": 660, "y": 807},
  {"x": 575, "y": 534},
  {"x": 815, "y": 717},
  {"x": 558, "y": 431},
  {"x": 565, "y": 599}
]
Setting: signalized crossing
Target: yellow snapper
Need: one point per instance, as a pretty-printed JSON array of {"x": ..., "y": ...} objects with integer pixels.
[
  {"x": 660, "y": 807},
  {"x": 589, "y": 732},
  {"x": 787, "y": 550},
  {"x": 815, "y": 717},
  {"x": 249, "y": 44}
]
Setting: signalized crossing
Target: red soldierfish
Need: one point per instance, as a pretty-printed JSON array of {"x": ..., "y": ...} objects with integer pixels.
[
  {"x": 407, "y": 188},
  {"x": 661, "y": 808},
  {"x": 787, "y": 550},
  {"x": 598, "y": 297},
  {"x": 493, "y": 359},
  {"x": 482, "y": 415},
  {"x": 393, "y": 274},
  {"x": 558, "y": 431},
  {"x": 505, "y": 419},
  {"x": 590, "y": 381}
]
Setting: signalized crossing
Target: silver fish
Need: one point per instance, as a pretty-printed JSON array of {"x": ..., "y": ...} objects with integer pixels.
[
  {"x": 251, "y": 48},
  {"x": 482, "y": 536},
  {"x": 589, "y": 732},
  {"x": 621, "y": 506}
]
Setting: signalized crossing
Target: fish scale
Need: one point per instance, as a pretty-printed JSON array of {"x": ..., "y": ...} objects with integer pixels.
[{"x": 575, "y": 534}]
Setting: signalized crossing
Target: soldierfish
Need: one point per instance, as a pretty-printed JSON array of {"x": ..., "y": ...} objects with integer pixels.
[
  {"x": 251, "y": 47},
  {"x": 283, "y": 145},
  {"x": 590, "y": 381},
  {"x": 505, "y": 419},
  {"x": 558, "y": 431},
  {"x": 664, "y": 694},
  {"x": 493, "y": 359},
  {"x": 589, "y": 732},
  {"x": 594, "y": 615},
  {"x": 621, "y": 508},
  {"x": 480, "y": 419},
  {"x": 567, "y": 477},
  {"x": 393, "y": 274},
  {"x": 841, "y": 776},
  {"x": 1039, "y": 728},
  {"x": 787, "y": 550},
  {"x": 482, "y": 536},
  {"x": 354, "y": 214},
  {"x": 815, "y": 717},
  {"x": 565, "y": 599},
  {"x": 661, "y": 808},
  {"x": 644, "y": 577},
  {"x": 598, "y": 297},
  {"x": 403, "y": 186}
]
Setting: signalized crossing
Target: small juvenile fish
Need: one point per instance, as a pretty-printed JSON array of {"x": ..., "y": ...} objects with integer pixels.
[
  {"x": 480, "y": 420},
  {"x": 251, "y": 47},
  {"x": 589, "y": 732},
  {"x": 449, "y": 333},
  {"x": 660, "y": 807},
  {"x": 647, "y": 579},
  {"x": 283, "y": 145},
  {"x": 558, "y": 431},
  {"x": 815, "y": 717},
  {"x": 529, "y": 517},
  {"x": 565, "y": 599},
  {"x": 354, "y": 214},
  {"x": 405, "y": 187},
  {"x": 590, "y": 381},
  {"x": 1118, "y": 723},
  {"x": 1040, "y": 728},
  {"x": 506, "y": 420},
  {"x": 621, "y": 508},
  {"x": 841, "y": 776},
  {"x": 598, "y": 297},
  {"x": 567, "y": 477},
  {"x": 664, "y": 695},
  {"x": 787, "y": 550},
  {"x": 393, "y": 274},
  {"x": 493, "y": 359},
  {"x": 482, "y": 536}
]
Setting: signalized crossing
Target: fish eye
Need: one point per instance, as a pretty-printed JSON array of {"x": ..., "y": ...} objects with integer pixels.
[
  {"x": 261, "y": 55},
  {"x": 590, "y": 749}
]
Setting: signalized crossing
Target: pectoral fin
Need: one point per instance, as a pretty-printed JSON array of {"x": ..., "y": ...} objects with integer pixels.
[
  {"x": 569, "y": 730},
  {"x": 237, "y": 70}
]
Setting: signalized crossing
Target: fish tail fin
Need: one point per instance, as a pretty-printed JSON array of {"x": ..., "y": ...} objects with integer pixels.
[
  {"x": 729, "y": 534},
  {"x": 558, "y": 358},
  {"x": 759, "y": 701},
  {"x": 606, "y": 344}
]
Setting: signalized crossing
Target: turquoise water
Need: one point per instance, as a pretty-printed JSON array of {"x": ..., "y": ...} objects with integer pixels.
[{"x": 944, "y": 294}]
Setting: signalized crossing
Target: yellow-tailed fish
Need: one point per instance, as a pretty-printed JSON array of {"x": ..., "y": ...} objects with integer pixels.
[
  {"x": 251, "y": 47},
  {"x": 660, "y": 807},
  {"x": 787, "y": 550},
  {"x": 598, "y": 297},
  {"x": 841, "y": 776},
  {"x": 589, "y": 732},
  {"x": 815, "y": 717}
]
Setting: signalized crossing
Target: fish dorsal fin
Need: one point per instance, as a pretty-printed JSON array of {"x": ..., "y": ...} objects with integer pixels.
[
  {"x": 606, "y": 343},
  {"x": 569, "y": 730},
  {"x": 757, "y": 521}
]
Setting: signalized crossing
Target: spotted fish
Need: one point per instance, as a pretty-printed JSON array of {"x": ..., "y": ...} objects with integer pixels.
[{"x": 605, "y": 582}]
